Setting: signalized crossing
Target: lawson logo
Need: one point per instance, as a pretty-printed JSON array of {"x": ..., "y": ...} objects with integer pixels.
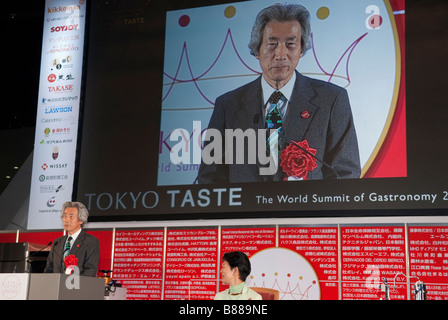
[{"x": 54, "y": 110}]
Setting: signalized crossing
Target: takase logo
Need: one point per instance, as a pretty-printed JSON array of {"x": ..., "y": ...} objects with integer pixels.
[{"x": 57, "y": 89}]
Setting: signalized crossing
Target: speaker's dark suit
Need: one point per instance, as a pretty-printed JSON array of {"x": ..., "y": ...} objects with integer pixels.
[
  {"x": 318, "y": 111},
  {"x": 86, "y": 248}
]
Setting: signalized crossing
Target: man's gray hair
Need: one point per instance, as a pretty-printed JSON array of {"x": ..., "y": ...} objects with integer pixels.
[
  {"x": 280, "y": 12},
  {"x": 83, "y": 213}
]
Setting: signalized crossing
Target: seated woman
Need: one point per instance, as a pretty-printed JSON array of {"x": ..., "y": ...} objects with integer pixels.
[{"x": 234, "y": 271}]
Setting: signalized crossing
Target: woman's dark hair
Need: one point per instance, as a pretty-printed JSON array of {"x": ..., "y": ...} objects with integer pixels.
[{"x": 238, "y": 259}]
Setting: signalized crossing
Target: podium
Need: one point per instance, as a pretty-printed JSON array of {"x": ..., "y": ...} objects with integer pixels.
[
  {"x": 23, "y": 257},
  {"x": 58, "y": 286},
  {"x": 50, "y": 286}
]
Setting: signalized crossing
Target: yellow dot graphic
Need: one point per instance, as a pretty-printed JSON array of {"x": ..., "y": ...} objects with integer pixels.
[
  {"x": 230, "y": 11},
  {"x": 323, "y": 13}
]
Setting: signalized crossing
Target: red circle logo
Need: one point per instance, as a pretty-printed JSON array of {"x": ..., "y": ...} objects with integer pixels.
[{"x": 52, "y": 78}]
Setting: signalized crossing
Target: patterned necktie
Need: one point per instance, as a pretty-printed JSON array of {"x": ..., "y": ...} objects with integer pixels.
[
  {"x": 274, "y": 125},
  {"x": 67, "y": 248},
  {"x": 274, "y": 117}
]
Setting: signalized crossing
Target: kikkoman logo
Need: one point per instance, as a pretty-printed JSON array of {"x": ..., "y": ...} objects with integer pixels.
[{"x": 57, "y": 9}]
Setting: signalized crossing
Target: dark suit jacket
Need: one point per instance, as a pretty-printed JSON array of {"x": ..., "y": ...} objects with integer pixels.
[
  {"x": 86, "y": 248},
  {"x": 329, "y": 128}
]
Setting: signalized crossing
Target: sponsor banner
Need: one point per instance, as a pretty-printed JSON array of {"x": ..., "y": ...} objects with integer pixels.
[
  {"x": 301, "y": 262},
  {"x": 318, "y": 247},
  {"x": 57, "y": 112},
  {"x": 428, "y": 259},
  {"x": 250, "y": 241},
  {"x": 373, "y": 263},
  {"x": 138, "y": 263},
  {"x": 191, "y": 264}
]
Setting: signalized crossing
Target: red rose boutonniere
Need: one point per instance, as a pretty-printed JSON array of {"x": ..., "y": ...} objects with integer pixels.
[
  {"x": 70, "y": 262},
  {"x": 296, "y": 163}
]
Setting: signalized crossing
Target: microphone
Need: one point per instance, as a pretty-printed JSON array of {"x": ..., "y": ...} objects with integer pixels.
[
  {"x": 419, "y": 287},
  {"x": 282, "y": 143},
  {"x": 385, "y": 287},
  {"x": 420, "y": 290},
  {"x": 36, "y": 252},
  {"x": 27, "y": 260},
  {"x": 57, "y": 257}
]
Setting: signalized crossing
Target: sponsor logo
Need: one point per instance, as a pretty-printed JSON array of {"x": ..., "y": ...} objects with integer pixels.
[
  {"x": 51, "y": 188},
  {"x": 56, "y": 131},
  {"x": 59, "y": 99},
  {"x": 11, "y": 287},
  {"x": 53, "y": 110},
  {"x": 61, "y": 89},
  {"x": 68, "y": 119},
  {"x": 53, "y": 177},
  {"x": 64, "y": 28},
  {"x": 51, "y": 202},
  {"x": 55, "y": 153},
  {"x": 58, "y": 9},
  {"x": 58, "y": 166},
  {"x": 63, "y": 48},
  {"x": 64, "y": 63},
  {"x": 52, "y": 78},
  {"x": 56, "y": 141},
  {"x": 60, "y": 77},
  {"x": 54, "y": 166}
]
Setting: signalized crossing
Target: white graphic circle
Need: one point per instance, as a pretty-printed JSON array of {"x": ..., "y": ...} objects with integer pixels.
[{"x": 286, "y": 271}]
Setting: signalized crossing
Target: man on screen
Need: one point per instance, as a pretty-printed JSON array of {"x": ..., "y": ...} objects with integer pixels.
[
  {"x": 77, "y": 248},
  {"x": 289, "y": 106}
]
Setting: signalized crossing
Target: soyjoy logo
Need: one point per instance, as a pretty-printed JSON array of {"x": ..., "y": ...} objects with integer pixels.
[
  {"x": 68, "y": 27},
  {"x": 52, "y": 78}
]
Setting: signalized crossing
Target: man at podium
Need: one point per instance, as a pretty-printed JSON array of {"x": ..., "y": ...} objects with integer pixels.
[{"x": 76, "y": 248}]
